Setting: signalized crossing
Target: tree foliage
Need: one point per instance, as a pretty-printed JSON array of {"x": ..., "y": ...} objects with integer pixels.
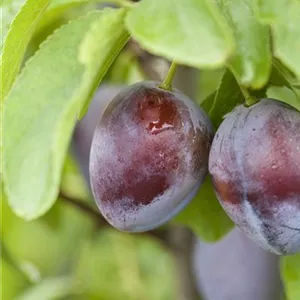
[{"x": 253, "y": 43}]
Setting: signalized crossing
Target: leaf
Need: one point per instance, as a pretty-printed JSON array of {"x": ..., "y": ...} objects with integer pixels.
[
  {"x": 12, "y": 281},
  {"x": 49, "y": 289},
  {"x": 57, "y": 15},
  {"x": 205, "y": 216},
  {"x": 284, "y": 94},
  {"x": 228, "y": 96},
  {"x": 229, "y": 93},
  {"x": 281, "y": 75},
  {"x": 56, "y": 3},
  {"x": 208, "y": 83},
  {"x": 73, "y": 183},
  {"x": 61, "y": 11},
  {"x": 284, "y": 18},
  {"x": 125, "y": 70},
  {"x": 290, "y": 272},
  {"x": 271, "y": 14},
  {"x": 278, "y": 76},
  {"x": 94, "y": 43},
  {"x": 57, "y": 246},
  {"x": 8, "y": 11},
  {"x": 191, "y": 32},
  {"x": 282, "y": 86},
  {"x": 114, "y": 265},
  {"x": 208, "y": 102},
  {"x": 17, "y": 40},
  {"x": 12, "y": 262},
  {"x": 40, "y": 111},
  {"x": 251, "y": 63}
]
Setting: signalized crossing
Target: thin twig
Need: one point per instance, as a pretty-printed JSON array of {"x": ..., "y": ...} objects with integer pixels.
[
  {"x": 159, "y": 234},
  {"x": 181, "y": 241},
  {"x": 86, "y": 208}
]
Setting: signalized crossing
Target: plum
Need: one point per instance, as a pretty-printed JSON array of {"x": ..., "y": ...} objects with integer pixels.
[
  {"x": 255, "y": 167},
  {"x": 149, "y": 156},
  {"x": 235, "y": 268}
]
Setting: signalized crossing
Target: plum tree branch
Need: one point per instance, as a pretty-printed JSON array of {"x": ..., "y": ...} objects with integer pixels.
[
  {"x": 84, "y": 207},
  {"x": 160, "y": 234},
  {"x": 182, "y": 241}
]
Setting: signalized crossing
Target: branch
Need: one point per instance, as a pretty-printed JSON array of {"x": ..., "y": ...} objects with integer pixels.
[
  {"x": 159, "y": 234},
  {"x": 84, "y": 207},
  {"x": 182, "y": 241}
]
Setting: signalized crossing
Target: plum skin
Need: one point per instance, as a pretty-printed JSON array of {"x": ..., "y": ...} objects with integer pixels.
[
  {"x": 149, "y": 156},
  {"x": 255, "y": 166},
  {"x": 254, "y": 273}
]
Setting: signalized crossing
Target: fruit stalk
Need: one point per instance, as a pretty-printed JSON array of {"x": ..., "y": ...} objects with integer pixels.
[{"x": 167, "y": 83}]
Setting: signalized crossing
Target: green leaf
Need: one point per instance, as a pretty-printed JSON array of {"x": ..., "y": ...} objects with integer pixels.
[
  {"x": 269, "y": 11},
  {"x": 73, "y": 183},
  {"x": 49, "y": 289},
  {"x": 58, "y": 14},
  {"x": 228, "y": 96},
  {"x": 251, "y": 63},
  {"x": 205, "y": 216},
  {"x": 290, "y": 272},
  {"x": 281, "y": 75},
  {"x": 222, "y": 101},
  {"x": 282, "y": 86},
  {"x": 114, "y": 39},
  {"x": 284, "y": 17},
  {"x": 17, "y": 39},
  {"x": 191, "y": 32},
  {"x": 114, "y": 265},
  {"x": 209, "y": 102},
  {"x": 40, "y": 112},
  {"x": 284, "y": 94},
  {"x": 8, "y": 11},
  {"x": 57, "y": 246},
  {"x": 11, "y": 280},
  {"x": 278, "y": 76},
  {"x": 125, "y": 70},
  {"x": 13, "y": 262},
  {"x": 208, "y": 83}
]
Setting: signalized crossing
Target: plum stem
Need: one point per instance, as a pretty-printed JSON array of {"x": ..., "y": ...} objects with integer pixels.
[
  {"x": 167, "y": 83},
  {"x": 249, "y": 100}
]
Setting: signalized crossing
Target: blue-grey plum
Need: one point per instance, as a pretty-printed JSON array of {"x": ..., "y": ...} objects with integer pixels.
[
  {"x": 255, "y": 167},
  {"x": 235, "y": 268},
  {"x": 149, "y": 156}
]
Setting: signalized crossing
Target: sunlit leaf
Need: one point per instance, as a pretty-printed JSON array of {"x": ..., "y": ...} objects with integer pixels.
[
  {"x": 41, "y": 110},
  {"x": 191, "y": 32}
]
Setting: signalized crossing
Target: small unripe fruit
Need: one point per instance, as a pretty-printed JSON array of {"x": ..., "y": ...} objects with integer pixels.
[
  {"x": 255, "y": 167},
  {"x": 149, "y": 156}
]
